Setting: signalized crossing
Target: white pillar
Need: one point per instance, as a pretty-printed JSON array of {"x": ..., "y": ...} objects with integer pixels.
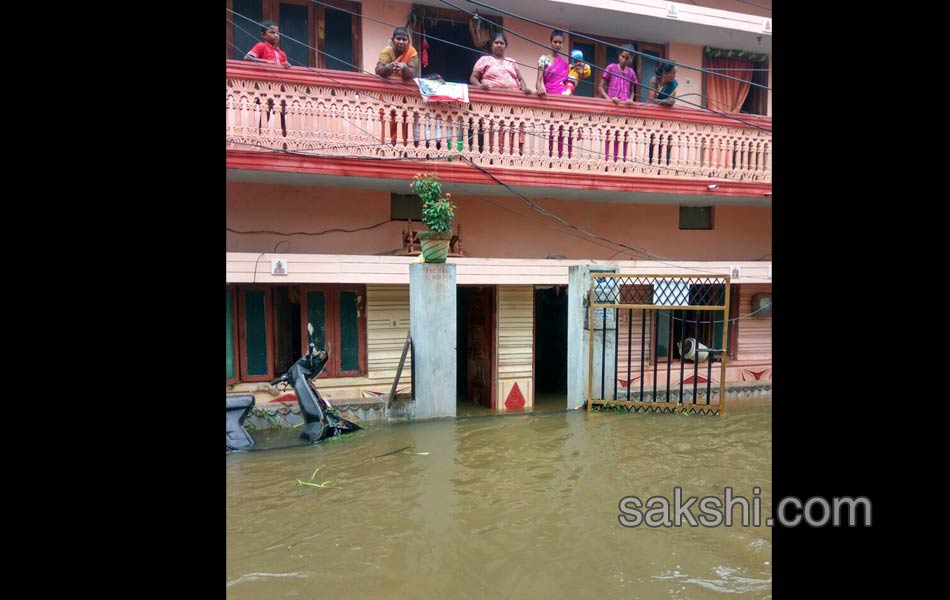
[{"x": 432, "y": 314}]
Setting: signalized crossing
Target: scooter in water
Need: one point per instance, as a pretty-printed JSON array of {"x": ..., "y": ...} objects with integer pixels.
[{"x": 320, "y": 418}]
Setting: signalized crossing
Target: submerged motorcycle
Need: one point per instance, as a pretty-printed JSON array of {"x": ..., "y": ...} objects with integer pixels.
[{"x": 320, "y": 418}]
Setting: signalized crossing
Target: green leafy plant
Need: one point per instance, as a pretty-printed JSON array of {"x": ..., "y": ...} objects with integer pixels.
[{"x": 438, "y": 211}]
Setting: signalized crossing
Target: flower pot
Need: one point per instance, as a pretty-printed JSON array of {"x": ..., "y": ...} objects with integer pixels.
[{"x": 435, "y": 246}]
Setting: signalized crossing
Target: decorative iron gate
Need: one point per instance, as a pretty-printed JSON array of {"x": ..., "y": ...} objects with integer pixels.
[{"x": 653, "y": 333}]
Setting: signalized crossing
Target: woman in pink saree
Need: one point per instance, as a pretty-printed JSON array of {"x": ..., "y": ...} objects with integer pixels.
[{"x": 501, "y": 73}]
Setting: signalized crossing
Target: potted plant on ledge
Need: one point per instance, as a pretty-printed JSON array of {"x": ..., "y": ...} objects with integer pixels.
[{"x": 437, "y": 214}]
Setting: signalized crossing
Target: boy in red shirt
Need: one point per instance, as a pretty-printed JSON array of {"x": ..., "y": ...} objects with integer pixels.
[{"x": 267, "y": 51}]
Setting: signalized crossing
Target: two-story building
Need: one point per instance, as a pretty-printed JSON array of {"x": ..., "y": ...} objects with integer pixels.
[{"x": 320, "y": 157}]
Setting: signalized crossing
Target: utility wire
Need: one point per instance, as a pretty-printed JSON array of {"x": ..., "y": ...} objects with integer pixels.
[
  {"x": 314, "y": 233},
  {"x": 700, "y": 106},
  {"x": 413, "y": 89},
  {"x": 547, "y": 213},
  {"x": 523, "y": 198},
  {"x": 547, "y": 47},
  {"x": 581, "y": 35}
]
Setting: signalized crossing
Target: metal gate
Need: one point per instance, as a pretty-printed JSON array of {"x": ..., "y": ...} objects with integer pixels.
[{"x": 651, "y": 335}]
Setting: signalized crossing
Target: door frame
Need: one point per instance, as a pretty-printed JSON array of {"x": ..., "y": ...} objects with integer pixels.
[{"x": 493, "y": 337}]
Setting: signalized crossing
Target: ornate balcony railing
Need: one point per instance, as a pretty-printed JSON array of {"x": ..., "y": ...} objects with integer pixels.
[{"x": 333, "y": 113}]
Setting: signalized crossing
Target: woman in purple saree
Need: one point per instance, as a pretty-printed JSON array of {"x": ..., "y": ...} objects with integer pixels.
[{"x": 552, "y": 68}]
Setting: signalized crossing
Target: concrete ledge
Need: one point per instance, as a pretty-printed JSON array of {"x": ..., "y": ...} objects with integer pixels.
[
  {"x": 734, "y": 391},
  {"x": 277, "y": 415}
]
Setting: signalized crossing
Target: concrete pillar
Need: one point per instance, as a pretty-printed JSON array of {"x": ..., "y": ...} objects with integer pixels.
[
  {"x": 432, "y": 313},
  {"x": 579, "y": 281}
]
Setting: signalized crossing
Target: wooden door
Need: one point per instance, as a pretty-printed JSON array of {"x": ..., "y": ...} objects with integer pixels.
[{"x": 480, "y": 343}]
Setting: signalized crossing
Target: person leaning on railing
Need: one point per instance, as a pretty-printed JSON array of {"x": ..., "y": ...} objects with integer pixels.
[
  {"x": 663, "y": 85},
  {"x": 267, "y": 51},
  {"x": 620, "y": 79},
  {"x": 621, "y": 82},
  {"x": 398, "y": 57},
  {"x": 499, "y": 72}
]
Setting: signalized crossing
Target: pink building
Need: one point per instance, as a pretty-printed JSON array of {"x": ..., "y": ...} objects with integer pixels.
[{"x": 320, "y": 156}]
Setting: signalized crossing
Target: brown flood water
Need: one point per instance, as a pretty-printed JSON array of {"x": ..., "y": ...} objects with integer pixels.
[{"x": 520, "y": 506}]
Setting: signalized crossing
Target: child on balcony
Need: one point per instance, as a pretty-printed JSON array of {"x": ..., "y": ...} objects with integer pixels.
[
  {"x": 621, "y": 82},
  {"x": 620, "y": 78},
  {"x": 579, "y": 69},
  {"x": 267, "y": 51}
]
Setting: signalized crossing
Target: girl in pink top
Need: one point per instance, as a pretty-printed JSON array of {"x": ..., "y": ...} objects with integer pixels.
[
  {"x": 621, "y": 80},
  {"x": 497, "y": 71}
]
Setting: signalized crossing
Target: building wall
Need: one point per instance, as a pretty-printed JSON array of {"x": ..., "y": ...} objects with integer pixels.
[
  {"x": 491, "y": 226},
  {"x": 755, "y": 335},
  {"x": 387, "y": 324},
  {"x": 527, "y": 53},
  {"x": 376, "y": 35},
  {"x": 690, "y": 81},
  {"x": 285, "y": 208}
]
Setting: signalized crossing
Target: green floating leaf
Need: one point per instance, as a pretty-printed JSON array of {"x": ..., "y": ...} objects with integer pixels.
[{"x": 315, "y": 471}]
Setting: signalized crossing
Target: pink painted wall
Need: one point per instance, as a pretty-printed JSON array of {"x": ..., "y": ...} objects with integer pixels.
[
  {"x": 690, "y": 81},
  {"x": 741, "y": 233},
  {"x": 377, "y": 35},
  {"x": 527, "y": 53},
  {"x": 288, "y": 208}
]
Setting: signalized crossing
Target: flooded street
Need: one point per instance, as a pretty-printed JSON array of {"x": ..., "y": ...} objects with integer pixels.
[{"x": 516, "y": 506}]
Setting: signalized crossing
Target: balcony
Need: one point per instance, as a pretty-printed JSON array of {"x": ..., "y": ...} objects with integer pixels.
[{"x": 322, "y": 121}]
